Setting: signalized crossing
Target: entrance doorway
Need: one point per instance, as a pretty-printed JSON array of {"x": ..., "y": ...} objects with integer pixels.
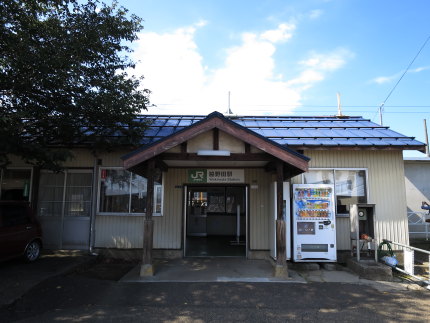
[{"x": 216, "y": 221}]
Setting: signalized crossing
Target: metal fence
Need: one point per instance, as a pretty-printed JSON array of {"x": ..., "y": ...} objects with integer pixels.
[
  {"x": 414, "y": 262},
  {"x": 418, "y": 227}
]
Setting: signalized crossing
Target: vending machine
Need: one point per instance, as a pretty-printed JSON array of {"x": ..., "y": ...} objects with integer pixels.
[{"x": 314, "y": 223}]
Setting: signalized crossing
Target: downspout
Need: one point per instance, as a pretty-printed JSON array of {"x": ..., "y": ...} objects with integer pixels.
[{"x": 97, "y": 162}]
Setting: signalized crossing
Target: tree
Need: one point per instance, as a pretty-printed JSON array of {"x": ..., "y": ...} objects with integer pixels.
[{"x": 64, "y": 79}]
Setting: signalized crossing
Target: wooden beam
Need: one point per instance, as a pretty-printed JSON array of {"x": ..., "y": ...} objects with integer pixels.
[
  {"x": 247, "y": 148},
  {"x": 148, "y": 227},
  {"x": 161, "y": 165},
  {"x": 270, "y": 166},
  {"x": 232, "y": 157},
  {"x": 215, "y": 139},
  {"x": 279, "y": 189}
]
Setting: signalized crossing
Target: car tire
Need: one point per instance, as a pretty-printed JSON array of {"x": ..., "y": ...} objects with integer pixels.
[{"x": 32, "y": 252}]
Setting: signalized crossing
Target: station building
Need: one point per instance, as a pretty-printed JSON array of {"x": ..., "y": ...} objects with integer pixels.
[{"x": 217, "y": 185}]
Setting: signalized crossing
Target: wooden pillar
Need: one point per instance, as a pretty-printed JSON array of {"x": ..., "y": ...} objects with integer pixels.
[
  {"x": 281, "y": 263},
  {"x": 147, "y": 268},
  {"x": 215, "y": 139}
]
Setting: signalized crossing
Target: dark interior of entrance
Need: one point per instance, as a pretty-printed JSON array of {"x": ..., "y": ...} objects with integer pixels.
[{"x": 216, "y": 221}]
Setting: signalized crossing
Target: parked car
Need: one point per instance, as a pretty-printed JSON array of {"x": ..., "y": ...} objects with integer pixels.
[{"x": 20, "y": 232}]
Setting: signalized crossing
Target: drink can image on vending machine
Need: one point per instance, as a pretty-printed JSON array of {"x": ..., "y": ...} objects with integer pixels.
[{"x": 314, "y": 223}]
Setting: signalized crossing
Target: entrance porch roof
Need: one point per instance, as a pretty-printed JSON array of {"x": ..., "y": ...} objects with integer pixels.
[{"x": 296, "y": 161}]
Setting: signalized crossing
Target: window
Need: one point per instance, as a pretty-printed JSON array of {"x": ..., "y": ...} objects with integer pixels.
[
  {"x": 15, "y": 184},
  {"x": 350, "y": 185},
  {"x": 67, "y": 193},
  {"x": 122, "y": 192}
]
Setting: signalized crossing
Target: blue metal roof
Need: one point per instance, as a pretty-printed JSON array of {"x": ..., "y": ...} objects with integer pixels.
[{"x": 299, "y": 132}]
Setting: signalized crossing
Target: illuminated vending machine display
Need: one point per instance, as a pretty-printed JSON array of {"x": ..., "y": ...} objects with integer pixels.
[{"x": 314, "y": 223}]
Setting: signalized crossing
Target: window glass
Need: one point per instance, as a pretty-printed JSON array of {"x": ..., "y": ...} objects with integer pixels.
[
  {"x": 114, "y": 190},
  {"x": 78, "y": 194},
  {"x": 318, "y": 177},
  {"x": 138, "y": 194},
  {"x": 216, "y": 200},
  {"x": 51, "y": 188},
  {"x": 235, "y": 199},
  {"x": 125, "y": 192},
  {"x": 15, "y": 184},
  {"x": 158, "y": 198},
  {"x": 350, "y": 189},
  {"x": 350, "y": 186}
]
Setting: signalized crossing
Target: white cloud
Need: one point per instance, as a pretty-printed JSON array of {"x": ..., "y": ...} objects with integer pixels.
[
  {"x": 314, "y": 14},
  {"x": 281, "y": 34},
  {"x": 181, "y": 84},
  {"x": 328, "y": 62},
  {"x": 384, "y": 79},
  {"x": 318, "y": 65},
  {"x": 394, "y": 77}
]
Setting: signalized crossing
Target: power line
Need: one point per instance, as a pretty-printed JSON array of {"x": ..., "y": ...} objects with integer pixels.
[
  {"x": 300, "y": 106},
  {"x": 401, "y": 77}
]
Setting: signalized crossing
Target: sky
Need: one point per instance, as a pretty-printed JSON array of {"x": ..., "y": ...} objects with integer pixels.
[{"x": 288, "y": 57}]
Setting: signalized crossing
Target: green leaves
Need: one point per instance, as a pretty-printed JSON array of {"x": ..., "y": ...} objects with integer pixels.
[{"x": 64, "y": 79}]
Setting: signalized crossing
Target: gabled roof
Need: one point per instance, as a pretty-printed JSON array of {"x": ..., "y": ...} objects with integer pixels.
[
  {"x": 297, "y": 132},
  {"x": 215, "y": 120}
]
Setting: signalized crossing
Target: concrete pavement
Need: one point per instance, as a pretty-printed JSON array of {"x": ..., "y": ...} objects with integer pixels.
[
  {"x": 17, "y": 277},
  {"x": 258, "y": 271}
]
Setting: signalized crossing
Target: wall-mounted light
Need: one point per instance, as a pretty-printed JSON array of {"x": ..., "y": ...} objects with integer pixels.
[{"x": 213, "y": 153}]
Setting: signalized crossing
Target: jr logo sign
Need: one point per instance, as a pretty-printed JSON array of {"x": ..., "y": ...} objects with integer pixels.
[{"x": 197, "y": 175}]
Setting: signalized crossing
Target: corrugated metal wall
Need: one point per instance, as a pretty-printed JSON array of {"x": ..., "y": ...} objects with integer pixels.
[
  {"x": 168, "y": 228},
  {"x": 259, "y": 208},
  {"x": 386, "y": 189}
]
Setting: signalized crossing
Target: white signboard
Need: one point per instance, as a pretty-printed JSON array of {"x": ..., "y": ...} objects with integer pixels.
[
  {"x": 226, "y": 175},
  {"x": 216, "y": 176}
]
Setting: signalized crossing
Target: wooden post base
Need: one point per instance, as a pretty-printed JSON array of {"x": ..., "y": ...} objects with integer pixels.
[
  {"x": 146, "y": 270},
  {"x": 280, "y": 271}
]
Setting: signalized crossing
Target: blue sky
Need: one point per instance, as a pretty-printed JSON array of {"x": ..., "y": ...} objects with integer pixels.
[{"x": 287, "y": 57}]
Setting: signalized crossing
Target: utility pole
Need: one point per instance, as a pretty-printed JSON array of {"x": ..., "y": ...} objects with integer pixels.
[
  {"x": 427, "y": 138},
  {"x": 380, "y": 113}
]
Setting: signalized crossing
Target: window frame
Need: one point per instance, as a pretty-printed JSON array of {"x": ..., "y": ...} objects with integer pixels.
[
  {"x": 64, "y": 186},
  {"x": 128, "y": 213},
  {"x": 333, "y": 169},
  {"x": 30, "y": 189}
]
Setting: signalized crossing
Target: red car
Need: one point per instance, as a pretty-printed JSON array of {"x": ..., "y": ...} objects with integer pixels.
[{"x": 20, "y": 232}]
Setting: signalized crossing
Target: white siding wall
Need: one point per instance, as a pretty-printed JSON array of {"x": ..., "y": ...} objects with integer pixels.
[
  {"x": 259, "y": 208},
  {"x": 386, "y": 189}
]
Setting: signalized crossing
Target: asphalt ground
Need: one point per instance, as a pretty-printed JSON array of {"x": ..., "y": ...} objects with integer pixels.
[
  {"x": 81, "y": 288},
  {"x": 77, "y": 297}
]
